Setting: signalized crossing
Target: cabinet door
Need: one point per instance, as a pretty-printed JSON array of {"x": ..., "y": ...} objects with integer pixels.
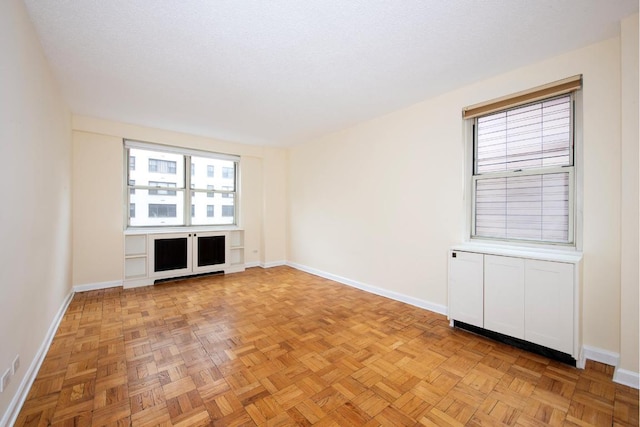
[
  {"x": 549, "y": 304},
  {"x": 504, "y": 295},
  {"x": 210, "y": 251},
  {"x": 169, "y": 254},
  {"x": 465, "y": 287}
]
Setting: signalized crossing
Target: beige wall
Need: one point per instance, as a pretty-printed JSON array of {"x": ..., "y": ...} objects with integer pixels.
[
  {"x": 629, "y": 354},
  {"x": 98, "y": 197},
  {"x": 381, "y": 202},
  {"x": 35, "y": 219}
]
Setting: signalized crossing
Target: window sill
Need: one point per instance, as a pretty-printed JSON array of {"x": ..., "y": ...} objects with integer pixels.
[
  {"x": 179, "y": 229},
  {"x": 568, "y": 255}
]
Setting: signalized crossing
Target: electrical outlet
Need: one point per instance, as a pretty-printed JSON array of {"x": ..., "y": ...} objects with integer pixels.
[
  {"x": 15, "y": 365},
  {"x": 5, "y": 380}
]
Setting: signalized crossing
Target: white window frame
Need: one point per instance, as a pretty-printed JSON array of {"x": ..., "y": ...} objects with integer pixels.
[
  {"x": 575, "y": 185},
  {"x": 187, "y": 190}
]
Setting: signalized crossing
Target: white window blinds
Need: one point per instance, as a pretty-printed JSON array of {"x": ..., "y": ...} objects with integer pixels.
[
  {"x": 523, "y": 172},
  {"x": 534, "y": 136}
]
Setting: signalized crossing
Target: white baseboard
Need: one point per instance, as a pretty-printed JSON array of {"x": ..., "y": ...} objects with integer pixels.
[
  {"x": 599, "y": 355},
  {"x": 273, "y": 264},
  {"x": 620, "y": 376},
  {"x": 96, "y": 286},
  {"x": 437, "y": 308},
  {"x": 252, "y": 264},
  {"x": 628, "y": 378},
  {"x": 10, "y": 416}
]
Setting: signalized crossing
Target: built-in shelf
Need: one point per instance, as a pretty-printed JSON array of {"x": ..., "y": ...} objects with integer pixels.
[
  {"x": 139, "y": 254},
  {"x": 236, "y": 244}
]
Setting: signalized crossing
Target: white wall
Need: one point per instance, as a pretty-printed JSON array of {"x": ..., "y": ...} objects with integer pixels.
[
  {"x": 380, "y": 203},
  {"x": 35, "y": 219},
  {"x": 99, "y": 195},
  {"x": 629, "y": 354}
]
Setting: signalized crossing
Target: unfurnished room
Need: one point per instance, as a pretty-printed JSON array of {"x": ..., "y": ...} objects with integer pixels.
[{"x": 319, "y": 213}]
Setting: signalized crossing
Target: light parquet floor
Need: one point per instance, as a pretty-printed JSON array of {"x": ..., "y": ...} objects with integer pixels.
[{"x": 280, "y": 347}]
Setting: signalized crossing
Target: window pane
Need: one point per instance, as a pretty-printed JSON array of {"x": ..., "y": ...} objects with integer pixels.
[
  {"x": 157, "y": 166},
  {"x": 227, "y": 210},
  {"x": 530, "y": 207},
  {"x": 155, "y": 210},
  {"x": 532, "y": 136},
  {"x": 207, "y": 174},
  {"x": 214, "y": 211}
]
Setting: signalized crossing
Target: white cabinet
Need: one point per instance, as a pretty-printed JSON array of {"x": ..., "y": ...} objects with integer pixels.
[
  {"x": 504, "y": 295},
  {"x": 530, "y": 296},
  {"x": 162, "y": 255},
  {"x": 548, "y": 304},
  {"x": 466, "y": 287}
]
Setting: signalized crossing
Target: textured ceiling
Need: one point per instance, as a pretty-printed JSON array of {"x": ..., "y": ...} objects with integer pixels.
[{"x": 282, "y": 71}]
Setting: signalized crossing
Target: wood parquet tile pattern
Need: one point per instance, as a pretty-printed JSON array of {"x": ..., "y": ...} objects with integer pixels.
[{"x": 280, "y": 347}]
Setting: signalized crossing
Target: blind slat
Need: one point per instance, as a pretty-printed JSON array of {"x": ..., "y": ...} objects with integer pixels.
[
  {"x": 531, "y": 207},
  {"x": 510, "y": 139}
]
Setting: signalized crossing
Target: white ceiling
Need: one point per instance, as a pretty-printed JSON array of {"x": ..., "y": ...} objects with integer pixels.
[{"x": 282, "y": 71}]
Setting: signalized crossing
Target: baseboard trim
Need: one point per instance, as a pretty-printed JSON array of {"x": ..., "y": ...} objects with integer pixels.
[
  {"x": 252, "y": 264},
  {"x": 628, "y": 378},
  {"x": 599, "y": 355},
  {"x": 436, "y": 308},
  {"x": 11, "y": 414},
  {"x": 97, "y": 286},
  {"x": 620, "y": 376},
  {"x": 273, "y": 264}
]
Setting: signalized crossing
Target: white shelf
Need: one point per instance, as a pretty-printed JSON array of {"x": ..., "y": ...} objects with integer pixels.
[
  {"x": 135, "y": 267},
  {"x": 135, "y": 245}
]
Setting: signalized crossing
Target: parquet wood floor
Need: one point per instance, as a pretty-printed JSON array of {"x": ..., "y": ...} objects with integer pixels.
[{"x": 280, "y": 347}]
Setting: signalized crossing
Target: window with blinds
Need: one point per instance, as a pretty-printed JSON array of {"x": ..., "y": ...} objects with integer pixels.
[{"x": 523, "y": 166}]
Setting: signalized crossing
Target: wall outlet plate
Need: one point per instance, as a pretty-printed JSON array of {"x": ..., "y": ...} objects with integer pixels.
[{"x": 5, "y": 380}]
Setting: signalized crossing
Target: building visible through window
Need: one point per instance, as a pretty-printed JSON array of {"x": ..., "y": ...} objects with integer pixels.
[
  {"x": 179, "y": 186},
  {"x": 157, "y": 210},
  {"x": 162, "y": 166}
]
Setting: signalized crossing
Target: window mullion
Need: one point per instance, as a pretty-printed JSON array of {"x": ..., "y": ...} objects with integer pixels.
[{"x": 187, "y": 189}]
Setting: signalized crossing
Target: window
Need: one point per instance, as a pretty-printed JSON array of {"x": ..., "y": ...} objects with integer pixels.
[
  {"x": 153, "y": 192},
  {"x": 162, "y": 166},
  {"x": 227, "y": 173},
  {"x": 132, "y": 210},
  {"x": 132, "y": 163},
  {"x": 227, "y": 210},
  {"x": 522, "y": 183},
  {"x": 170, "y": 193},
  {"x": 227, "y": 195},
  {"x": 210, "y": 171},
  {"x": 157, "y": 210}
]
